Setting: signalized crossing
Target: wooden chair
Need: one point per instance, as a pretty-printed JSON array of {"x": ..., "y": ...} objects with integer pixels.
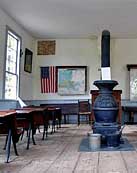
[{"x": 84, "y": 110}]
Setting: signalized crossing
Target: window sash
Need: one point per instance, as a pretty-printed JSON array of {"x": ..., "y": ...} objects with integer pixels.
[{"x": 11, "y": 85}]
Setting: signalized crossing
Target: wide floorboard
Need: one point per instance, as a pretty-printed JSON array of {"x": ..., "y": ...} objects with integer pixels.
[{"x": 59, "y": 154}]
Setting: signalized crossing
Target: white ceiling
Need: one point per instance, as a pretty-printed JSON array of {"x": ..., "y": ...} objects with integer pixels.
[{"x": 74, "y": 18}]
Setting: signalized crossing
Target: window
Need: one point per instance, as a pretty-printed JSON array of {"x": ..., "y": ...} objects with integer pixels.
[
  {"x": 132, "y": 68},
  {"x": 11, "y": 87}
]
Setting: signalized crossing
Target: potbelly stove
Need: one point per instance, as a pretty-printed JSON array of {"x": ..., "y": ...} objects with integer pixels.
[{"x": 105, "y": 106}]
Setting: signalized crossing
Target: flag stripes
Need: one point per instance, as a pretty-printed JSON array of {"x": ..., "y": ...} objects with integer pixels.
[{"x": 48, "y": 79}]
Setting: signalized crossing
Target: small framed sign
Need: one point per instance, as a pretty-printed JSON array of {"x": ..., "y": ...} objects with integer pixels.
[
  {"x": 46, "y": 47},
  {"x": 28, "y": 60}
]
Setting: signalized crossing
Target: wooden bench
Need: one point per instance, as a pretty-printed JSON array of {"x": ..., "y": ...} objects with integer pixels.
[{"x": 67, "y": 109}]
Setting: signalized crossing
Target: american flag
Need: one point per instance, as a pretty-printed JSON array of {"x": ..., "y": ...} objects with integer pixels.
[{"x": 48, "y": 79}]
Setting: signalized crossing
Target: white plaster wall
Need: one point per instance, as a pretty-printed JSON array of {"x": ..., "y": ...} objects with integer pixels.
[
  {"x": 86, "y": 52},
  {"x": 27, "y": 42},
  {"x": 69, "y": 52},
  {"x": 2, "y": 43},
  {"x": 124, "y": 51}
]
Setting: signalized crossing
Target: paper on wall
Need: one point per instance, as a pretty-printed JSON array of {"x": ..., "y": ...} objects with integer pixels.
[{"x": 105, "y": 73}]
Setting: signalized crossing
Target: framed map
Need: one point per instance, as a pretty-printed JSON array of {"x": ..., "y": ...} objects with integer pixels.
[{"x": 72, "y": 80}]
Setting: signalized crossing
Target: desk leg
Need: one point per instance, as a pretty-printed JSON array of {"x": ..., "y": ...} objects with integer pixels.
[
  {"x": 29, "y": 132},
  {"x": 33, "y": 133},
  {"x": 8, "y": 146},
  {"x": 5, "y": 143},
  {"x": 45, "y": 130},
  {"x": 14, "y": 145},
  {"x": 53, "y": 122},
  {"x": 59, "y": 122},
  {"x": 132, "y": 117}
]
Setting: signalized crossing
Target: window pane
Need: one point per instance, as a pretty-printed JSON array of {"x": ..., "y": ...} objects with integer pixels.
[
  {"x": 10, "y": 86},
  {"x": 11, "y": 61},
  {"x": 12, "y": 42}
]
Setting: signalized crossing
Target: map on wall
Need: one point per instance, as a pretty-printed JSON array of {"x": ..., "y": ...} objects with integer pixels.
[{"x": 72, "y": 80}]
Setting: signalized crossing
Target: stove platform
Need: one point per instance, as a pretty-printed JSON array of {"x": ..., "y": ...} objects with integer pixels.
[{"x": 107, "y": 130}]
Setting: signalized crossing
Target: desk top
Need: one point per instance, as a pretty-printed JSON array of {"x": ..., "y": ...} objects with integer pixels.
[
  {"x": 29, "y": 110},
  {"x": 24, "y": 111},
  {"x": 52, "y": 108},
  {"x": 7, "y": 113}
]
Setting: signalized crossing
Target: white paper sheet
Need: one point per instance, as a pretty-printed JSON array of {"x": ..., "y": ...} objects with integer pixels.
[{"x": 106, "y": 73}]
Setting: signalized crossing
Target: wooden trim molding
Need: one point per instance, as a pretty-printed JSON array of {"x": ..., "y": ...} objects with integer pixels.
[{"x": 133, "y": 66}]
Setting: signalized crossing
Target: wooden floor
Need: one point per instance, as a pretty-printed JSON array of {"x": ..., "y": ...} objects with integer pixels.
[{"x": 59, "y": 154}]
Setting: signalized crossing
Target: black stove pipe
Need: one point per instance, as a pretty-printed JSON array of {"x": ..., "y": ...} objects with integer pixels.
[{"x": 105, "y": 49}]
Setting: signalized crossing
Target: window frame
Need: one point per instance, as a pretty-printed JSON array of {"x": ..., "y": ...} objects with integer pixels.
[{"x": 17, "y": 70}]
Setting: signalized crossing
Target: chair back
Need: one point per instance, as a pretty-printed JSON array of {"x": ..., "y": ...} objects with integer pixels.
[{"x": 84, "y": 106}]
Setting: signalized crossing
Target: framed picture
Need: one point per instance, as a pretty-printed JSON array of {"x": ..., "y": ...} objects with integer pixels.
[
  {"x": 46, "y": 47},
  {"x": 72, "y": 80},
  {"x": 28, "y": 60}
]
